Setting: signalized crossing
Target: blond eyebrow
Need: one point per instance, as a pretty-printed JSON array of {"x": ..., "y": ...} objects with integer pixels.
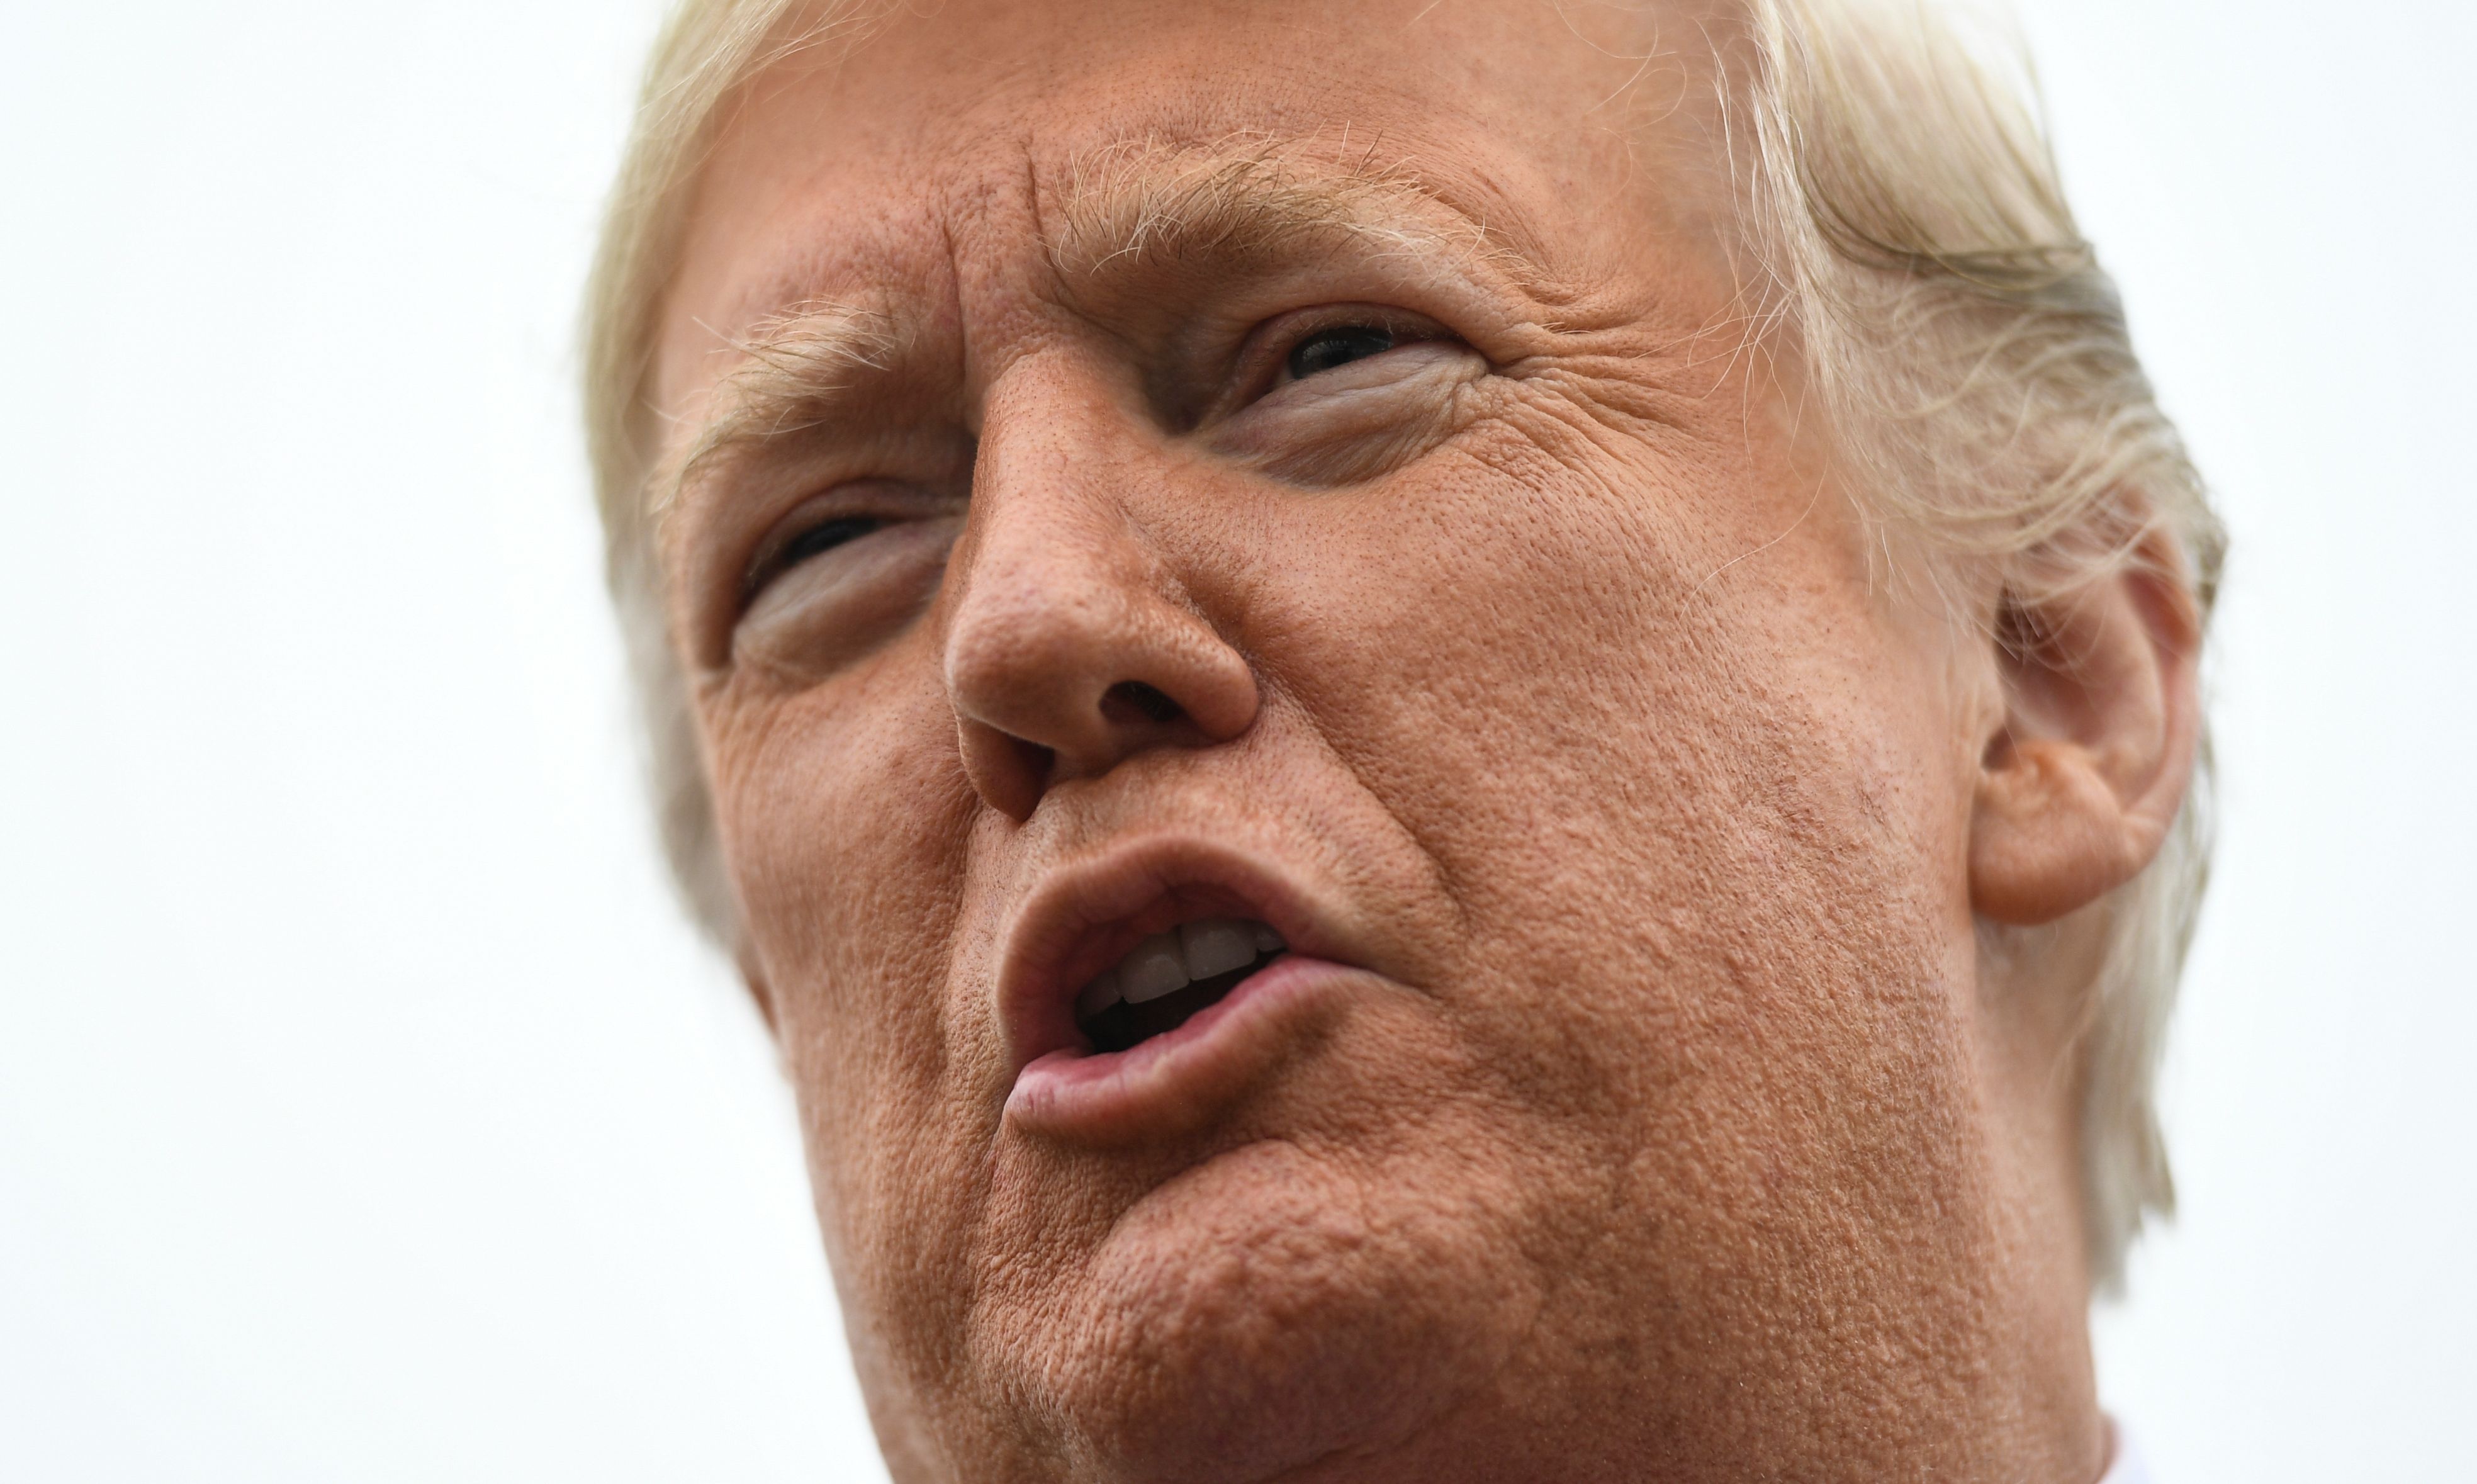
[
  {"x": 1251, "y": 197},
  {"x": 795, "y": 369},
  {"x": 1138, "y": 200}
]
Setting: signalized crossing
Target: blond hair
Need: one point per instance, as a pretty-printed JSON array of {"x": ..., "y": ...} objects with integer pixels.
[{"x": 1967, "y": 350}]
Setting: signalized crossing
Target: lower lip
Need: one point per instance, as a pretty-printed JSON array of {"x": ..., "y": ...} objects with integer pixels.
[{"x": 1178, "y": 1079}]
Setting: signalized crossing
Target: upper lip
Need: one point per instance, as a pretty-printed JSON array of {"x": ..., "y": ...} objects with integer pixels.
[{"x": 1084, "y": 917}]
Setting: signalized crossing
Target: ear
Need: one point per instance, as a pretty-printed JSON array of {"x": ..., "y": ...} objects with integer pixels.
[{"x": 2080, "y": 783}]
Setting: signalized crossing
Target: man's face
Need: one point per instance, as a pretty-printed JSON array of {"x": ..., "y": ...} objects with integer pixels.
[{"x": 1316, "y": 471}]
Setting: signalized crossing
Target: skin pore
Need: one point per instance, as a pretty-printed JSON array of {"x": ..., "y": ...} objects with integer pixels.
[{"x": 1138, "y": 462}]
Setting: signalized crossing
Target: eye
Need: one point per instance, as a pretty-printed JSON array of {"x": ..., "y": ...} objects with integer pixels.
[
  {"x": 1338, "y": 346},
  {"x": 814, "y": 541}
]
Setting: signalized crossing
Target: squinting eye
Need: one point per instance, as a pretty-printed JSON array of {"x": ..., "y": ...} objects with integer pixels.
[
  {"x": 1338, "y": 346},
  {"x": 814, "y": 541}
]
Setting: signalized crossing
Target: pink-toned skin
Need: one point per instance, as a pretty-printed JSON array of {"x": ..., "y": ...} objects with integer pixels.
[{"x": 1636, "y": 1102}]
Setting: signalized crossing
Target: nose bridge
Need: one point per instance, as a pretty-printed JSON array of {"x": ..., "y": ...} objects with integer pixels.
[
  {"x": 1048, "y": 554},
  {"x": 1071, "y": 642}
]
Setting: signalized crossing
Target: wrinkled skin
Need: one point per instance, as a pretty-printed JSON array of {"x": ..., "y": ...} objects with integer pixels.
[{"x": 1663, "y": 1121}]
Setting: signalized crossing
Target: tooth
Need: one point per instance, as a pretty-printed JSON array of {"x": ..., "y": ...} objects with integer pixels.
[
  {"x": 1266, "y": 940},
  {"x": 1157, "y": 968},
  {"x": 1215, "y": 945},
  {"x": 1098, "y": 996}
]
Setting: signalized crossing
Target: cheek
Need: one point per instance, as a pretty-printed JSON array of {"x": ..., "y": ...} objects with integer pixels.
[
  {"x": 1700, "y": 817},
  {"x": 1677, "y": 773},
  {"x": 843, "y": 810},
  {"x": 1586, "y": 660}
]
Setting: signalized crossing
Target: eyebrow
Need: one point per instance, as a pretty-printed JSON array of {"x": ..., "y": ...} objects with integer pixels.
[
  {"x": 1160, "y": 205},
  {"x": 1127, "y": 208},
  {"x": 796, "y": 371}
]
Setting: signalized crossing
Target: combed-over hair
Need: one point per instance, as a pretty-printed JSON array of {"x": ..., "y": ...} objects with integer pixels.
[{"x": 1967, "y": 353}]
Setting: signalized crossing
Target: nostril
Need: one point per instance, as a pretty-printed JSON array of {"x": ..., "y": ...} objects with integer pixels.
[{"x": 1129, "y": 699}]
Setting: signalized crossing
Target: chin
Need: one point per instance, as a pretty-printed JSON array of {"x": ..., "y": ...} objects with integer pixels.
[{"x": 1265, "y": 1311}]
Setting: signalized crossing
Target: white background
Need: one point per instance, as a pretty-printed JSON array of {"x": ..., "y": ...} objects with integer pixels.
[{"x": 366, "y": 1113}]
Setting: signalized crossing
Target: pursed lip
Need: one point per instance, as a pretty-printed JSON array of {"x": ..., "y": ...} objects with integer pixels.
[{"x": 1084, "y": 917}]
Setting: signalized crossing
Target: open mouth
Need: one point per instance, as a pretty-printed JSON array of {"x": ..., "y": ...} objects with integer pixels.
[{"x": 1171, "y": 976}]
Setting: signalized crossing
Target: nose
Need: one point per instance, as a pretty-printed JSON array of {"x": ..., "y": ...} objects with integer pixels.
[{"x": 1071, "y": 644}]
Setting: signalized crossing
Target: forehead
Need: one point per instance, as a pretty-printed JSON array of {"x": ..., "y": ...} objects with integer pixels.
[{"x": 941, "y": 158}]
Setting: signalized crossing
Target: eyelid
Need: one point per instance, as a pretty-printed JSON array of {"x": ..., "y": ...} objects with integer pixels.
[
  {"x": 888, "y": 502},
  {"x": 766, "y": 564},
  {"x": 1262, "y": 361}
]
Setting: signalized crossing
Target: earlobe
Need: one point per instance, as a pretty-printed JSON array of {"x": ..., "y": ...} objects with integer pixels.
[{"x": 2078, "y": 788}]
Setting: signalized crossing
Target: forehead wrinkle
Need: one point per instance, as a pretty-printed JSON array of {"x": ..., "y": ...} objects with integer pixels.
[
  {"x": 796, "y": 371},
  {"x": 1150, "y": 203}
]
